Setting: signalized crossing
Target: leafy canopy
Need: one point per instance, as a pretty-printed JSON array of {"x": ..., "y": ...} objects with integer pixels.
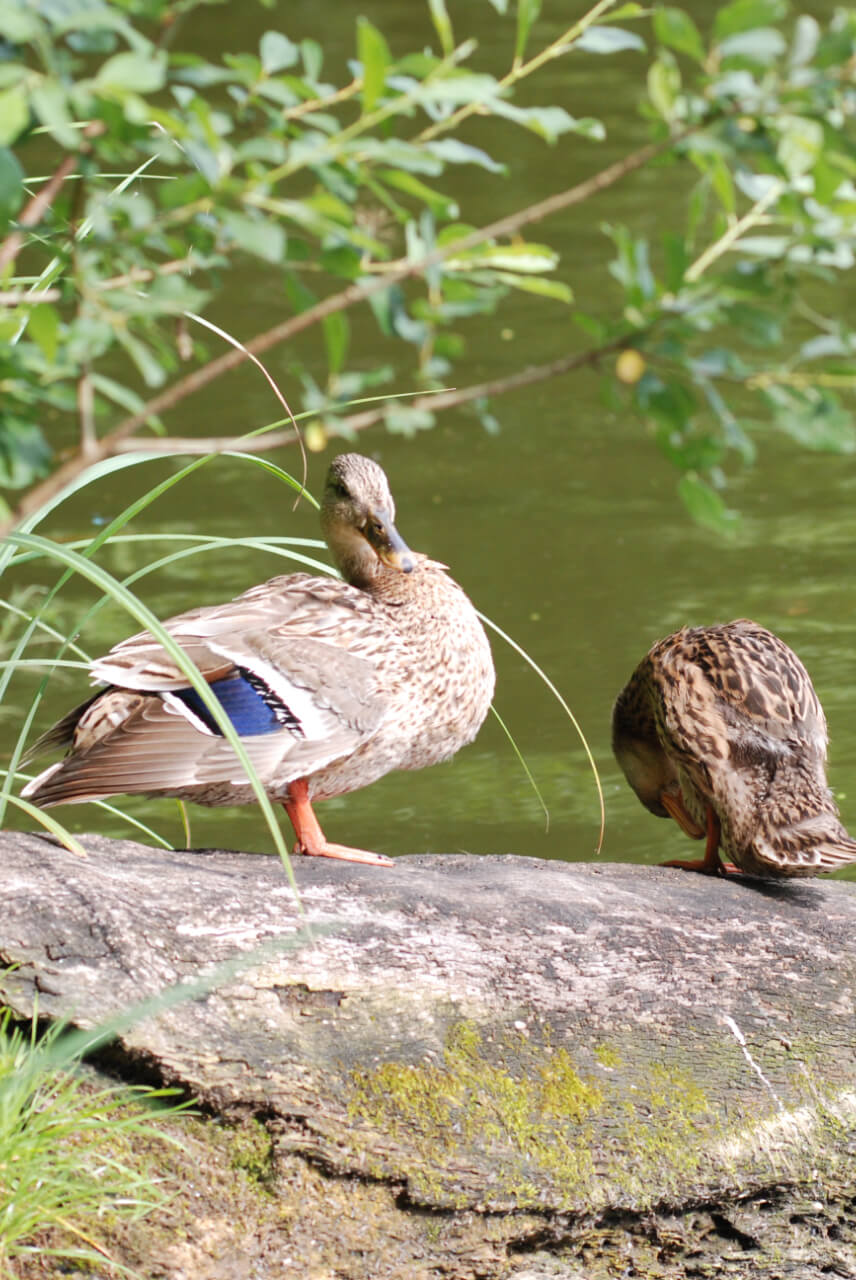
[{"x": 136, "y": 177}]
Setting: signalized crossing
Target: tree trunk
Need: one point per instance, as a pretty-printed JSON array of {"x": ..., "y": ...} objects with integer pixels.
[{"x": 623, "y": 1058}]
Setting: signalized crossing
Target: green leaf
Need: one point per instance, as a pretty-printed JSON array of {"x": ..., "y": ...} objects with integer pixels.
[
  {"x": 676, "y": 29},
  {"x": 527, "y": 13},
  {"x": 19, "y": 23},
  {"x": 11, "y": 184},
  {"x": 277, "y": 52},
  {"x": 125, "y": 397},
  {"x": 14, "y": 114},
  {"x": 756, "y": 324},
  {"x": 805, "y": 40},
  {"x": 677, "y": 260},
  {"x": 299, "y": 294},
  {"x": 458, "y": 87},
  {"x": 455, "y": 231},
  {"x": 609, "y": 40},
  {"x": 539, "y": 285},
  {"x": 50, "y": 103},
  {"x": 150, "y": 367},
  {"x": 313, "y": 58},
  {"x": 705, "y": 505},
  {"x": 24, "y": 453},
  {"x": 262, "y": 237},
  {"x": 549, "y": 122},
  {"x": 98, "y": 19},
  {"x": 440, "y": 205},
  {"x": 403, "y": 155},
  {"x": 592, "y": 326},
  {"x": 405, "y": 420},
  {"x": 43, "y": 328},
  {"x": 800, "y": 145},
  {"x": 762, "y": 45},
  {"x": 390, "y": 311},
  {"x": 454, "y": 152},
  {"x": 827, "y": 179},
  {"x": 722, "y": 182},
  {"x": 442, "y": 25},
  {"x": 697, "y": 205},
  {"x": 508, "y": 257},
  {"x": 816, "y": 420},
  {"x": 132, "y": 73},
  {"x": 13, "y": 73},
  {"x": 745, "y": 15},
  {"x": 664, "y": 85},
  {"x": 337, "y": 335},
  {"x": 373, "y": 53}
]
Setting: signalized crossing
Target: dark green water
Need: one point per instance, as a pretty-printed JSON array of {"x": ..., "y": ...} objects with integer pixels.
[{"x": 565, "y": 528}]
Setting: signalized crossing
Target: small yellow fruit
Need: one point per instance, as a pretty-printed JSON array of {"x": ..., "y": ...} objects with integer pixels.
[
  {"x": 314, "y": 437},
  {"x": 630, "y": 366}
]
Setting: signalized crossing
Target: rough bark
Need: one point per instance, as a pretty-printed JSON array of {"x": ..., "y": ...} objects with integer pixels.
[{"x": 622, "y": 1058}]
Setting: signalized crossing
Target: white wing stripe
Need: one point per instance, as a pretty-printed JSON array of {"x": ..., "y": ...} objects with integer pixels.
[{"x": 315, "y": 723}]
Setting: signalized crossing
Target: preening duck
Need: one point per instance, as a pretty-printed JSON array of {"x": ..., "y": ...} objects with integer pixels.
[
  {"x": 330, "y": 684},
  {"x": 720, "y": 728}
]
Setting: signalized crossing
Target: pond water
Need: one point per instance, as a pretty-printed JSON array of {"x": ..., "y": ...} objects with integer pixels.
[{"x": 565, "y": 527}]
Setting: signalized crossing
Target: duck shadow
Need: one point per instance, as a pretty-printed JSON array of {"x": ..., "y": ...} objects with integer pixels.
[{"x": 794, "y": 893}]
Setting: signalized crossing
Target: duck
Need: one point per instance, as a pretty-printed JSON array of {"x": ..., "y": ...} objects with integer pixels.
[
  {"x": 330, "y": 683},
  {"x": 720, "y": 728}
]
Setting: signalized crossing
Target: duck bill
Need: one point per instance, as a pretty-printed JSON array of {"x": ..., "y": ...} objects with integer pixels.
[{"x": 391, "y": 548}]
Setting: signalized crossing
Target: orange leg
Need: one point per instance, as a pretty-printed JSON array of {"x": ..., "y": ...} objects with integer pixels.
[
  {"x": 711, "y": 864},
  {"x": 673, "y": 803},
  {"x": 311, "y": 839}
]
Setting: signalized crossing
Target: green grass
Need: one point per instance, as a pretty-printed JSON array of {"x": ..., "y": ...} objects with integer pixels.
[{"x": 67, "y": 1149}]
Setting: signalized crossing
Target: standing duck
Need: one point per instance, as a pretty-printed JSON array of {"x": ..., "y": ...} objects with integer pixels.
[
  {"x": 720, "y": 728},
  {"x": 330, "y": 684}
]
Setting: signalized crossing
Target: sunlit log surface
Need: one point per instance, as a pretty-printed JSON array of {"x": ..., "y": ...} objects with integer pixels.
[{"x": 609, "y": 1053}]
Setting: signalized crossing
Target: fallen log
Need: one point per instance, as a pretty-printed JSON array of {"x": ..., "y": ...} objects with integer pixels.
[{"x": 575, "y": 1044}]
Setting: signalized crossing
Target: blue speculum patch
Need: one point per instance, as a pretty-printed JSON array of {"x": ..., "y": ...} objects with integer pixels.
[{"x": 251, "y": 709}]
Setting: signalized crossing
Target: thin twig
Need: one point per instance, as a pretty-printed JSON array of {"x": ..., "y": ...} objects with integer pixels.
[
  {"x": 20, "y": 297},
  {"x": 193, "y": 445},
  {"x": 141, "y": 275},
  {"x": 86, "y": 415},
  {"x": 802, "y": 381},
  {"x": 553, "y": 50},
  {"x": 730, "y": 237},
  {"x": 496, "y": 387},
  {"x": 319, "y": 104}
]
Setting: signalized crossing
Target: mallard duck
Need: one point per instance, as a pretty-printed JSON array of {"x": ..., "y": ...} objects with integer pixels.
[
  {"x": 330, "y": 684},
  {"x": 720, "y": 728}
]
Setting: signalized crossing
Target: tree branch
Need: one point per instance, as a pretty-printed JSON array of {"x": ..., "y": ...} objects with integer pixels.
[{"x": 496, "y": 387}]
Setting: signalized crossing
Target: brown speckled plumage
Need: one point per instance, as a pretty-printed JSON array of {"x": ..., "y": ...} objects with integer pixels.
[
  {"x": 390, "y": 669},
  {"x": 720, "y": 727}
]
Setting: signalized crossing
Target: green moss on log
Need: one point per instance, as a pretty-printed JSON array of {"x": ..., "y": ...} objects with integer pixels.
[{"x": 555, "y": 1127}]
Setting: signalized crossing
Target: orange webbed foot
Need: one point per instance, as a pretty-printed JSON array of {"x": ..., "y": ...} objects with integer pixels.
[
  {"x": 311, "y": 839},
  {"x": 711, "y": 864}
]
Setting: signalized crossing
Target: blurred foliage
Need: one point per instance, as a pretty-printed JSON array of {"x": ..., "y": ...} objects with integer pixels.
[{"x": 134, "y": 177}]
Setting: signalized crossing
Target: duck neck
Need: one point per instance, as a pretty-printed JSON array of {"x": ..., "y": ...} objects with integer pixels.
[{"x": 355, "y": 559}]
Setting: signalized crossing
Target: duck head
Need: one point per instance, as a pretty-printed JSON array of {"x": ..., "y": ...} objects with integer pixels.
[{"x": 358, "y": 521}]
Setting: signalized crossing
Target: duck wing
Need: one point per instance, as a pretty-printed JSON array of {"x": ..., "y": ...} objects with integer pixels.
[
  {"x": 736, "y": 692},
  {"x": 294, "y": 664}
]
